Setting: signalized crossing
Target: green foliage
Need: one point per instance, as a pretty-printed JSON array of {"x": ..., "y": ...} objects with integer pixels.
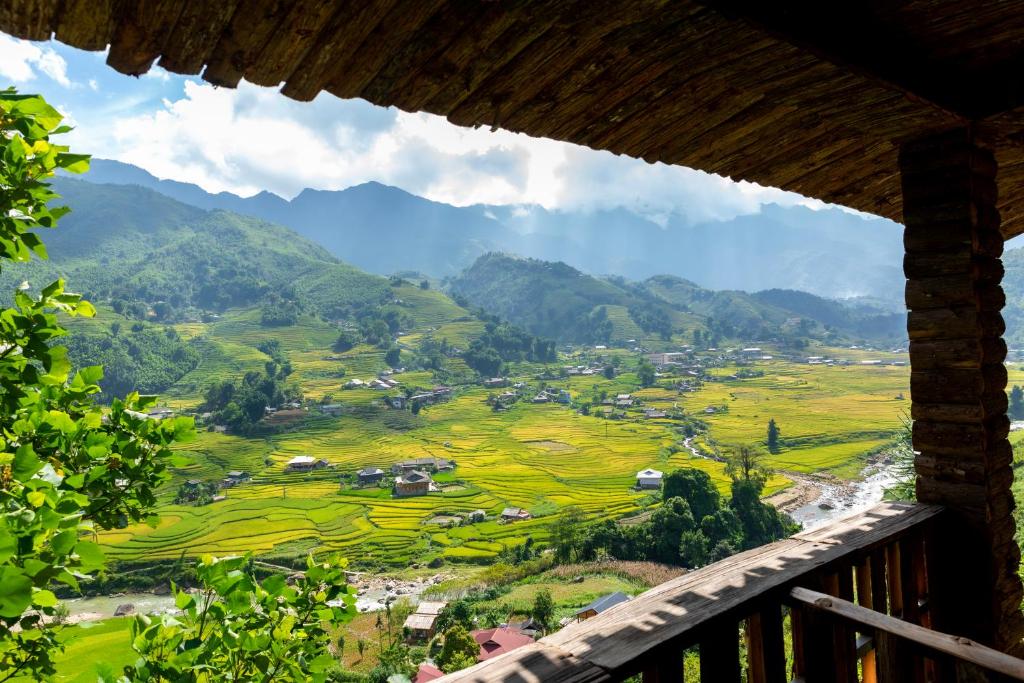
[
  {"x": 693, "y": 526},
  {"x": 241, "y": 404},
  {"x": 393, "y": 357},
  {"x": 456, "y": 612},
  {"x": 773, "y": 436},
  {"x": 566, "y": 533},
  {"x": 459, "y": 650},
  {"x": 144, "y": 359},
  {"x": 240, "y": 629},
  {"x": 345, "y": 341},
  {"x": 1016, "y": 410},
  {"x": 501, "y": 343},
  {"x": 543, "y": 610},
  {"x": 744, "y": 464},
  {"x": 279, "y": 311},
  {"x": 556, "y": 301},
  {"x": 197, "y": 494},
  {"x": 66, "y": 468},
  {"x": 761, "y": 523},
  {"x": 652, "y": 318},
  {"x": 645, "y": 373},
  {"x": 901, "y": 452},
  {"x": 696, "y": 488},
  {"x": 150, "y": 257}
]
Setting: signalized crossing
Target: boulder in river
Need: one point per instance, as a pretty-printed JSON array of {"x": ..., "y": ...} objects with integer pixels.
[{"x": 124, "y": 609}]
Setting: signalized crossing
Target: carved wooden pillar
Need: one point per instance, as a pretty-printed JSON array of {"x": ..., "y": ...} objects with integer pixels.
[{"x": 958, "y": 381}]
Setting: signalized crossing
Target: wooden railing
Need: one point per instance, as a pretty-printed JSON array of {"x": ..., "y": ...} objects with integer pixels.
[{"x": 852, "y": 597}]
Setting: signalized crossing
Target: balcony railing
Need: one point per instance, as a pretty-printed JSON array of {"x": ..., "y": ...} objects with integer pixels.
[{"x": 852, "y": 595}]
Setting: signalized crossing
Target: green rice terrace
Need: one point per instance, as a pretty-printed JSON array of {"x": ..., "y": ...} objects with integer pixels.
[{"x": 536, "y": 456}]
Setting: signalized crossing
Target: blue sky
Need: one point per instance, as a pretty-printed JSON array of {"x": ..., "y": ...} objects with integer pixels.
[{"x": 253, "y": 139}]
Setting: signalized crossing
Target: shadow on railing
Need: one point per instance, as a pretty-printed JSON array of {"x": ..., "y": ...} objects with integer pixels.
[{"x": 738, "y": 612}]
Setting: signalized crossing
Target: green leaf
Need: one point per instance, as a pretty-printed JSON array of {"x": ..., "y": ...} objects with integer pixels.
[
  {"x": 15, "y": 592},
  {"x": 62, "y": 543},
  {"x": 36, "y": 498},
  {"x": 73, "y": 163},
  {"x": 44, "y": 598},
  {"x": 89, "y": 554},
  {"x": 26, "y": 463}
]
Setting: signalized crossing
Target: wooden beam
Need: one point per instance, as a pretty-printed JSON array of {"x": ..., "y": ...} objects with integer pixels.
[
  {"x": 848, "y": 35},
  {"x": 932, "y": 643}
]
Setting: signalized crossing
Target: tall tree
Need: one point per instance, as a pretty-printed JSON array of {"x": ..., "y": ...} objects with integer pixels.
[
  {"x": 645, "y": 373},
  {"x": 745, "y": 465},
  {"x": 567, "y": 533},
  {"x": 459, "y": 650},
  {"x": 543, "y": 610},
  {"x": 696, "y": 488},
  {"x": 1017, "y": 403},
  {"x": 773, "y": 436}
]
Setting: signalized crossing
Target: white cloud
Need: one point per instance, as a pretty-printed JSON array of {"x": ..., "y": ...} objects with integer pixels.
[
  {"x": 21, "y": 61},
  {"x": 94, "y": 85},
  {"x": 254, "y": 139}
]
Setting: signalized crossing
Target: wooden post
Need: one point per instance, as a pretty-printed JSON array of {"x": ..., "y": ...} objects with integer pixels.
[
  {"x": 958, "y": 382},
  {"x": 720, "y": 654}
]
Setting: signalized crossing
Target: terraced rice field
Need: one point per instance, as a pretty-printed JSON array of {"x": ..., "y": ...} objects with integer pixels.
[{"x": 539, "y": 457}]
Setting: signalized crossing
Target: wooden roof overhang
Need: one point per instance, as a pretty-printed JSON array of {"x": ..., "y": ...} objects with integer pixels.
[{"x": 809, "y": 96}]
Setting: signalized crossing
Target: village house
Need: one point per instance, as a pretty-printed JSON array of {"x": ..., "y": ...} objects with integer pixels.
[
  {"x": 234, "y": 478},
  {"x": 354, "y": 383},
  {"x": 515, "y": 515},
  {"x": 397, "y": 402},
  {"x": 413, "y": 483},
  {"x": 369, "y": 475},
  {"x": 305, "y": 463},
  {"x": 654, "y": 414},
  {"x": 421, "y": 622},
  {"x": 649, "y": 479},
  {"x": 426, "y": 672},
  {"x": 540, "y": 398},
  {"x": 496, "y": 382},
  {"x": 600, "y": 605},
  {"x": 430, "y": 464},
  {"x": 160, "y": 413},
  {"x": 332, "y": 409},
  {"x": 498, "y": 641}
]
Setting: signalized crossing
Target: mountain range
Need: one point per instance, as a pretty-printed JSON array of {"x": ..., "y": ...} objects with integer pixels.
[
  {"x": 382, "y": 229},
  {"x": 148, "y": 240}
]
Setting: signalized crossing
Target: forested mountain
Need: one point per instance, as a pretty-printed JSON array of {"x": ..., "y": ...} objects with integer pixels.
[
  {"x": 558, "y": 301},
  {"x": 383, "y": 229},
  {"x": 138, "y": 248}
]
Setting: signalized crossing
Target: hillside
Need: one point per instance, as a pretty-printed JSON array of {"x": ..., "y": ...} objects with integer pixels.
[
  {"x": 829, "y": 252},
  {"x": 137, "y": 246},
  {"x": 556, "y": 300}
]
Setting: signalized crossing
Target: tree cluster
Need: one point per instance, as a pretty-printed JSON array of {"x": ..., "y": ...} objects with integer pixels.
[
  {"x": 140, "y": 358},
  {"x": 692, "y": 527},
  {"x": 503, "y": 342},
  {"x": 240, "y": 404}
]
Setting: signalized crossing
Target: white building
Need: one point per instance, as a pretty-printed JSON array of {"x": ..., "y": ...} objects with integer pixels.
[{"x": 649, "y": 479}]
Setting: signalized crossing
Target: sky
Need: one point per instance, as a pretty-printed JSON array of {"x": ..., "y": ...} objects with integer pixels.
[{"x": 253, "y": 139}]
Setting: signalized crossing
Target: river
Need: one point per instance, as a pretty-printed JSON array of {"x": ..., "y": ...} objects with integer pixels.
[{"x": 825, "y": 499}]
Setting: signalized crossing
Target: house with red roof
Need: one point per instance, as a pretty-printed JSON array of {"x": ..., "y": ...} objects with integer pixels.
[
  {"x": 427, "y": 672},
  {"x": 498, "y": 641}
]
